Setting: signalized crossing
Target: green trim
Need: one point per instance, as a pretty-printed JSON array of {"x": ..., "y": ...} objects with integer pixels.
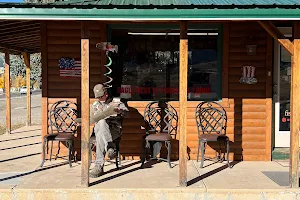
[
  {"x": 160, "y": 26},
  {"x": 220, "y": 60},
  {"x": 69, "y": 13}
]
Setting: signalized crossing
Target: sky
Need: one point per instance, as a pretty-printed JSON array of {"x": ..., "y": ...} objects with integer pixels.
[{"x": 10, "y": 1}]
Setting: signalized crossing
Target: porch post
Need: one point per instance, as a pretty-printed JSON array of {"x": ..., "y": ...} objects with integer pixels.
[
  {"x": 295, "y": 109},
  {"x": 26, "y": 57},
  {"x": 7, "y": 92},
  {"x": 85, "y": 106},
  {"x": 183, "y": 51}
]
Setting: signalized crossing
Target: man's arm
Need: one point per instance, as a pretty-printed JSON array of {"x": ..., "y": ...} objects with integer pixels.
[{"x": 99, "y": 115}]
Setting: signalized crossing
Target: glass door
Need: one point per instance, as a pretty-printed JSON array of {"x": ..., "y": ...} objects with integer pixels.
[{"x": 282, "y": 97}]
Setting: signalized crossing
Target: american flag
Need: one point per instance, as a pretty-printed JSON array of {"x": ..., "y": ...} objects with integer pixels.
[{"x": 74, "y": 71}]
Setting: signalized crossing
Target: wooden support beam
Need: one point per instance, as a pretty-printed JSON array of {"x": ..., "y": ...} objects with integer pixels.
[
  {"x": 295, "y": 109},
  {"x": 7, "y": 92},
  {"x": 278, "y": 36},
  {"x": 85, "y": 105},
  {"x": 26, "y": 57},
  {"x": 183, "y": 73},
  {"x": 44, "y": 56}
]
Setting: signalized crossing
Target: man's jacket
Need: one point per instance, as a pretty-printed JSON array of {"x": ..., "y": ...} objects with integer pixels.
[{"x": 102, "y": 110}]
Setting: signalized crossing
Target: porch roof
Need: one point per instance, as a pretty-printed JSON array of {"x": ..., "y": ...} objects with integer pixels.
[{"x": 156, "y": 10}]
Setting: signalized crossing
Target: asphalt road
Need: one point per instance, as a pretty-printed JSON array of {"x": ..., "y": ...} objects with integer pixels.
[
  {"x": 17, "y": 94},
  {"x": 19, "y": 109}
]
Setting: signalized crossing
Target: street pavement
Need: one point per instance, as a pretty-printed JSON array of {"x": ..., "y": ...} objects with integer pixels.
[
  {"x": 17, "y": 94},
  {"x": 19, "y": 108}
]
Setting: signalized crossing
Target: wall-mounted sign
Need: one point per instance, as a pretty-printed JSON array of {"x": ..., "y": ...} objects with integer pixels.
[
  {"x": 69, "y": 67},
  {"x": 248, "y": 75}
]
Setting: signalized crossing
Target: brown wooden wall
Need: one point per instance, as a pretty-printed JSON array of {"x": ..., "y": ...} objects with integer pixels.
[{"x": 248, "y": 106}]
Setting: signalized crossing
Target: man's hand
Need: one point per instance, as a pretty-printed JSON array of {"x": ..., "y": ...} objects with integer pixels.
[{"x": 118, "y": 110}]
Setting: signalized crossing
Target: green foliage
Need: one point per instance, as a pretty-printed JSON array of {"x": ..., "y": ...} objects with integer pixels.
[{"x": 18, "y": 68}]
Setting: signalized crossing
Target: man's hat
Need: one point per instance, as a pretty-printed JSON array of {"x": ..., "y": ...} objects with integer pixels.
[{"x": 99, "y": 90}]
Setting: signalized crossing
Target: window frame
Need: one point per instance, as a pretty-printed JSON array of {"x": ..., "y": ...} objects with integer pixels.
[{"x": 159, "y": 26}]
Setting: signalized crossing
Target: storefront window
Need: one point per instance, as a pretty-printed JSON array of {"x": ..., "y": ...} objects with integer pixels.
[
  {"x": 146, "y": 67},
  {"x": 285, "y": 88}
]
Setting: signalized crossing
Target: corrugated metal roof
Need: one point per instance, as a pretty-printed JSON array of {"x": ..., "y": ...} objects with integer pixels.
[
  {"x": 155, "y": 10},
  {"x": 180, "y": 2},
  {"x": 149, "y": 4}
]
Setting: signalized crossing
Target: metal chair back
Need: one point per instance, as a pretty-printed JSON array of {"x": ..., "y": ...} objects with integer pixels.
[
  {"x": 62, "y": 116},
  {"x": 161, "y": 117},
  {"x": 211, "y": 117}
]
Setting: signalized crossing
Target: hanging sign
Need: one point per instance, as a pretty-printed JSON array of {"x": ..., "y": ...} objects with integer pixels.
[
  {"x": 248, "y": 75},
  {"x": 69, "y": 67},
  {"x": 108, "y": 47}
]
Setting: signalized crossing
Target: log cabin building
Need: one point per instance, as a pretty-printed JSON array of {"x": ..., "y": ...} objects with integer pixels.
[{"x": 222, "y": 40}]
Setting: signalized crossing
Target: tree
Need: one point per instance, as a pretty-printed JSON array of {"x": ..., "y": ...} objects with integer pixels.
[
  {"x": 2, "y": 82},
  {"x": 18, "y": 82},
  {"x": 18, "y": 67}
]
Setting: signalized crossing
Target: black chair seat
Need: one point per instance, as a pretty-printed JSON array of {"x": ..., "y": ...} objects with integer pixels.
[
  {"x": 159, "y": 137},
  {"x": 212, "y": 137},
  {"x": 60, "y": 136}
]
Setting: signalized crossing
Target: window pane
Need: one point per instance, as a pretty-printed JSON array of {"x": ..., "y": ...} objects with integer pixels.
[
  {"x": 285, "y": 88},
  {"x": 203, "y": 81},
  {"x": 147, "y": 65}
]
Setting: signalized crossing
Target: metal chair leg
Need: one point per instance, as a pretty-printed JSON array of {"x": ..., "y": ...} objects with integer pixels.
[
  {"x": 202, "y": 153},
  {"x": 144, "y": 153},
  {"x": 199, "y": 143},
  {"x": 58, "y": 150},
  {"x": 51, "y": 150},
  {"x": 90, "y": 154},
  {"x": 70, "y": 152},
  {"x": 118, "y": 154},
  {"x": 44, "y": 152},
  {"x": 169, "y": 153},
  {"x": 219, "y": 157},
  {"x": 228, "y": 150},
  {"x": 73, "y": 151}
]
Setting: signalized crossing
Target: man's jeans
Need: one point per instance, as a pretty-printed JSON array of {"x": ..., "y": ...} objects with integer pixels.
[{"x": 103, "y": 138}]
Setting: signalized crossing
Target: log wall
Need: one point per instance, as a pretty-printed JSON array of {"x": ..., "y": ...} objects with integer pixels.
[{"x": 248, "y": 106}]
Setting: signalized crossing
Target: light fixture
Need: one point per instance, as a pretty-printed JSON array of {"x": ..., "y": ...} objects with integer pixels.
[
  {"x": 251, "y": 49},
  {"x": 251, "y": 46},
  {"x": 133, "y": 33}
]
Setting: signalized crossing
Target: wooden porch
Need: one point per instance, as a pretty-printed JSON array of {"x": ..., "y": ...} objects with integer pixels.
[{"x": 20, "y": 177}]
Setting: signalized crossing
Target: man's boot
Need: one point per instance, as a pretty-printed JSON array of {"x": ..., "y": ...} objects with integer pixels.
[
  {"x": 111, "y": 151},
  {"x": 97, "y": 171}
]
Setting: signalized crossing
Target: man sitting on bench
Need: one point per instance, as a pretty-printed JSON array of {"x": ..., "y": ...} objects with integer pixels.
[{"x": 107, "y": 113}]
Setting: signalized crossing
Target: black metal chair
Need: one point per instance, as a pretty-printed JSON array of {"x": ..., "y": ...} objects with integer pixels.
[
  {"x": 62, "y": 116},
  {"x": 161, "y": 121},
  {"x": 211, "y": 120}
]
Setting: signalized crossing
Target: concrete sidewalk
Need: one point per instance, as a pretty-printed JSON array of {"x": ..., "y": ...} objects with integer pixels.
[{"x": 20, "y": 177}]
